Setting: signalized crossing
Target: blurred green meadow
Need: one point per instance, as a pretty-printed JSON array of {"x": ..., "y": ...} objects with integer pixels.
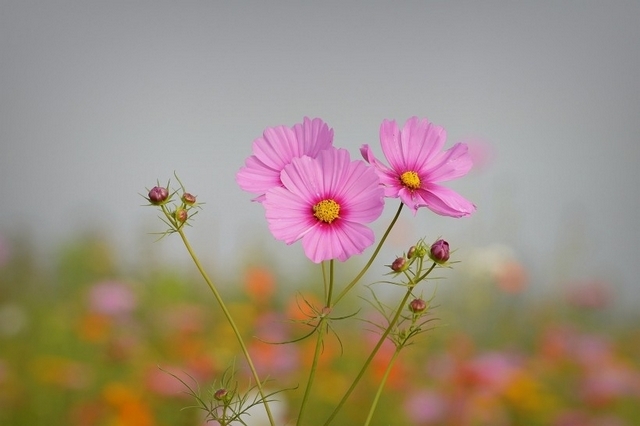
[{"x": 85, "y": 341}]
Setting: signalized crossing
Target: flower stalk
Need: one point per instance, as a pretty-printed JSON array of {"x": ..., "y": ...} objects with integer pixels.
[{"x": 231, "y": 322}]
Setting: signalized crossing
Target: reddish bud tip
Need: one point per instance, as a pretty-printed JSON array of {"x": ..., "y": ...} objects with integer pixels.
[
  {"x": 399, "y": 265},
  {"x": 181, "y": 215},
  {"x": 220, "y": 394},
  {"x": 188, "y": 198},
  {"x": 440, "y": 251},
  {"x": 417, "y": 306},
  {"x": 158, "y": 195}
]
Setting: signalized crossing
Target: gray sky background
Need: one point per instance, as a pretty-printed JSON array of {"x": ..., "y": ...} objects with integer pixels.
[{"x": 100, "y": 99}]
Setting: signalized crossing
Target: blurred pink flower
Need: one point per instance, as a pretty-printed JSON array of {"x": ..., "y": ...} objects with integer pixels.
[
  {"x": 591, "y": 294},
  {"x": 425, "y": 407},
  {"x": 112, "y": 298},
  {"x": 417, "y": 165},
  {"x": 481, "y": 153},
  {"x": 592, "y": 351},
  {"x": 276, "y": 148},
  {"x": 604, "y": 385},
  {"x": 493, "y": 371},
  {"x": 163, "y": 383},
  {"x": 556, "y": 342},
  {"x": 325, "y": 202}
]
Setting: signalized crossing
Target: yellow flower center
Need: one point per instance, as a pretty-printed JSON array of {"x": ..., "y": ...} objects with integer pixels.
[
  {"x": 410, "y": 180},
  {"x": 326, "y": 211}
]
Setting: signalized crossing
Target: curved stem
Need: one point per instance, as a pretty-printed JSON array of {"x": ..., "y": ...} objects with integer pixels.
[
  {"x": 229, "y": 318},
  {"x": 382, "y": 383},
  {"x": 371, "y": 356},
  {"x": 312, "y": 372},
  {"x": 373, "y": 256}
]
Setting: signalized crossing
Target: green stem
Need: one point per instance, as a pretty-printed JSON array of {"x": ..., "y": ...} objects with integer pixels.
[
  {"x": 330, "y": 292},
  {"x": 320, "y": 330},
  {"x": 312, "y": 373},
  {"x": 382, "y": 383},
  {"x": 373, "y": 256},
  {"x": 229, "y": 318},
  {"x": 371, "y": 356},
  {"x": 324, "y": 279}
]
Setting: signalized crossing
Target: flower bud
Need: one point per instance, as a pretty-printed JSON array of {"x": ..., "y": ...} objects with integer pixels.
[
  {"x": 440, "y": 251},
  {"x": 188, "y": 199},
  {"x": 158, "y": 195},
  {"x": 417, "y": 306},
  {"x": 220, "y": 394},
  {"x": 399, "y": 265},
  {"x": 411, "y": 252},
  {"x": 181, "y": 215}
]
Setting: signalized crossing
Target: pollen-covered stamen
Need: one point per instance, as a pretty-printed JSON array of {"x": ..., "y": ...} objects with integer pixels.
[
  {"x": 410, "y": 179},
  {"x": 326, "y": 211}
]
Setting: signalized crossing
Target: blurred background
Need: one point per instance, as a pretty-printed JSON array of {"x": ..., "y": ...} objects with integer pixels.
[{"x": 100, "y": 100}]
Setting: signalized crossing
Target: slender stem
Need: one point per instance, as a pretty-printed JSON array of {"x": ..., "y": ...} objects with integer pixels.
[
  {"x": 382, "y": 383},
  {"x": 320, "y": 330},
  {"x": 372, "y": 355},
  {"x": 324, "y": 279},
  {"x": 229, "y": 318},
  {"x": 312, "y": 372},
  {"x": 373, "y": 256},
  {"x": 330, "y": 293}
]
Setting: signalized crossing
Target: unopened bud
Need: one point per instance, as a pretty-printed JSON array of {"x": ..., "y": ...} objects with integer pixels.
[
  {"x": 411, "y": 252},
  {"x": 220, "y": 394},
  {"x": 417, "y": 306},
  {"x": 181, "y": 215},
  {"x": 188, "y": 199},
  {"x": 158, "y": 195},
  {"x": 399, "y": 265},
  {"x": 440, "y": 251}
]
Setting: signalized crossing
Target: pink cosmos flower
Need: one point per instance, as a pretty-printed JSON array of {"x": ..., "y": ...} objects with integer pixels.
[
  {"x": 325, "y": 202},
  {"x": 418, "y": 164},
  {"x": 276, "y": 148}
]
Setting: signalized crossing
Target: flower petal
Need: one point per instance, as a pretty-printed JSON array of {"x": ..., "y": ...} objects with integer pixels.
[
  {"x": 421, "y": 140},
  {"x": 288, "y": 215},
  {"x": 336, "y": 242},
  {"x": 444, "y": 201},
  {"x": 388, "y": 178},
  {"x": 450, "y": 164},
  {"x": 361, "y": 196},
  {"x": 390, "y": 142},
  {"x": 257, "y": 177},
  {"x": 303, "y": 177},
  {"x": 277, "y": 147},
  {"x": 334, "y": 165},
  {"x": 313, "y": 136}
]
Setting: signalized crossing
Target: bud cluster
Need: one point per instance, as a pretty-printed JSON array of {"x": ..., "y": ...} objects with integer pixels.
[
  {"x": 177, "y": 210},
  {"x": 438, "y": 252}
]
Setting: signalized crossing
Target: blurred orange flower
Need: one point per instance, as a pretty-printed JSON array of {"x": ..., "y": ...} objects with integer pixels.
[
  {"x": 130, "y": 409},
  {"x": 259, "y": 284}
]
